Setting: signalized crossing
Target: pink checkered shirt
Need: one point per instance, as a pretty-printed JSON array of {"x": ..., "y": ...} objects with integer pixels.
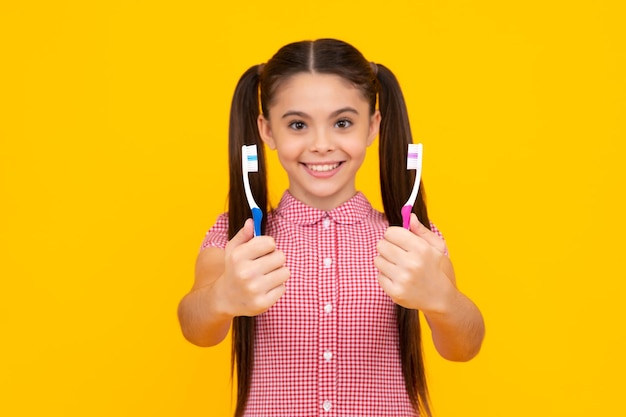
[{"x": 329, "y": 346}]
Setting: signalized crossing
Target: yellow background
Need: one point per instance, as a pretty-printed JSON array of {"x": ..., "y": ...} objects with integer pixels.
[{"x": 113, "y": 123}]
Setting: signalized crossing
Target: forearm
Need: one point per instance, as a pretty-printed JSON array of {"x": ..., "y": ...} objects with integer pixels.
[
  {"x": 458, "y": 330},
  {"x": 200, "y": 320}
]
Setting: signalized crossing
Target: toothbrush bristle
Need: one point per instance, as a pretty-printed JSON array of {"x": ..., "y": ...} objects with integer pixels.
[
  {"x": 252, "y": 158},
  {"x": 412, "y": 159}
]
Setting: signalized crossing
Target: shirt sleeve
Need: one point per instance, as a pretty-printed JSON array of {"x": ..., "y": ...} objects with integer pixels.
[{"x": 217, "y": 236}]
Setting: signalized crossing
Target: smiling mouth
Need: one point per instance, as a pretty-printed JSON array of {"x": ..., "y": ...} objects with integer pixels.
[{"x": 323, "y": 167}]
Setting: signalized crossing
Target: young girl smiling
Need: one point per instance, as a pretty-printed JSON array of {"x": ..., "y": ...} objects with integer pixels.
[{"x": 324, "y": 306}]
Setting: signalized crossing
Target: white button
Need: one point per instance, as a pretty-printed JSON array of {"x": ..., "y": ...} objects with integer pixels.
[
  {"x": 327, "y": 405},
  {"x": 328, "y": 355},
  {"x": 326, "y": 223},
  {"x": 328, "y": 308},
  {"x": 328, "y": 262}
]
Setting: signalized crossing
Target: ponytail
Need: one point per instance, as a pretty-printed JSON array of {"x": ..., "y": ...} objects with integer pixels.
[
  {"x": 395, "y": 183},
  {"x": 243, "y": 130}
]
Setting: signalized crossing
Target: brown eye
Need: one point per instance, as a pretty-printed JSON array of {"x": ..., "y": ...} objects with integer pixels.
[
  {"x": 297, "y": 125},
  {"x": 343, "y": 124}
]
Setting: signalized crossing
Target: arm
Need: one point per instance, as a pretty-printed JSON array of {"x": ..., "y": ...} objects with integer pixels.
[
  {"x": 202, "y": 321},
  {"x": 457, "y": 327},
  {"x": 416, "y": 273},
  {"x": 244, "y": 279}
]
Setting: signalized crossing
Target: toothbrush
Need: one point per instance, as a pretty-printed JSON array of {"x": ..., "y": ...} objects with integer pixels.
[
  {"x": 413, "y": 161},
  {"x": 250, "y": 163}
]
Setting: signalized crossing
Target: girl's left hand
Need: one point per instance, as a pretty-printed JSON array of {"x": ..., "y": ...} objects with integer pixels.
[{"x": 414, "y": 269}]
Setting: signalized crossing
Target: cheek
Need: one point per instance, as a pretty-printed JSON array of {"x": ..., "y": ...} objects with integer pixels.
[
  {"x": 287, "y": 151},
  {"x": 359, "y": 144}
]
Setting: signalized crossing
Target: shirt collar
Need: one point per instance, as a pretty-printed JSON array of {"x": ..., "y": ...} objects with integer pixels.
[{"x": 350, "y": 212}]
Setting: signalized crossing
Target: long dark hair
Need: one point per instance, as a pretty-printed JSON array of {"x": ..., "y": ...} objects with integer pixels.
[{"x": 375, "y": 81}]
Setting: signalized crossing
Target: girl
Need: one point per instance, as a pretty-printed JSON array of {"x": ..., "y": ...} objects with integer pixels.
[{"x": 324, "y": 305}]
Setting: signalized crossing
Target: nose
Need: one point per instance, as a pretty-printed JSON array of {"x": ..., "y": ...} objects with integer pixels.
[{"x": 322, "y": 142}]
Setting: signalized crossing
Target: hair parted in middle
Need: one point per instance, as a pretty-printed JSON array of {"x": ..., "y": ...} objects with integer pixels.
[{"x": 253, "y": 96}]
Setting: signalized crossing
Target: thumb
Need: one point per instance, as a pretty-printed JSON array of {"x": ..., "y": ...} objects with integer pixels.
[
  {"x": 422, "y": 231},
  {"x": 245, "y": 234}
]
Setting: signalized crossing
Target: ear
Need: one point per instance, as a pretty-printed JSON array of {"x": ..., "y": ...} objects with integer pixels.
[
  {"x": 265, "y": 130},
  {"x": 374, "y": 127}
]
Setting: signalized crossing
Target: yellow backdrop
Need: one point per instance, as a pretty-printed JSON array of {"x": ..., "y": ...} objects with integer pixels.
[{"x": 113, "y": 123}]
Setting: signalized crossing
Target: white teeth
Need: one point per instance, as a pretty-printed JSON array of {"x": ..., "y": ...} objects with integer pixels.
[{"x": 323, "y": 168}]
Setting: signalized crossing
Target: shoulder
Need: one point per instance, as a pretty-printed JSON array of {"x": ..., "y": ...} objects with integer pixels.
[
  {"x": 435, "y": 230},
  {"x": 378, "y": 218},
  {"x": 375, "y": 221},
  {"x": 217, "y": 236}
]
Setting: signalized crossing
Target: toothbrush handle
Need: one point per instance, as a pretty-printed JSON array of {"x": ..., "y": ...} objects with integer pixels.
[
  {"x": 257, "y": 216},
  {"x": 406, "y": 216}
]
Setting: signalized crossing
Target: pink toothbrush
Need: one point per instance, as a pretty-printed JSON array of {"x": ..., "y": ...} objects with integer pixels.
[{"x": 413, "y": 161}]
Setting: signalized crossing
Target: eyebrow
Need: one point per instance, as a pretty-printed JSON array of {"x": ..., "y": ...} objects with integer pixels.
[{"x": 333, "y": 114}]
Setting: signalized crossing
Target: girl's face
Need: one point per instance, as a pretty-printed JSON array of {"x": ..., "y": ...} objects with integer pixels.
[{"x": 320, "y": 125}]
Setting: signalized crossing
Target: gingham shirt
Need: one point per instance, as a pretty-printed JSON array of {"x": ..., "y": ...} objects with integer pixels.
[{"x": 329, "y": 346}]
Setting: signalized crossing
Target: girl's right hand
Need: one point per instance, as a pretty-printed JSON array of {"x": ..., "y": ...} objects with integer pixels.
[{"x": 254, "y": 274}]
